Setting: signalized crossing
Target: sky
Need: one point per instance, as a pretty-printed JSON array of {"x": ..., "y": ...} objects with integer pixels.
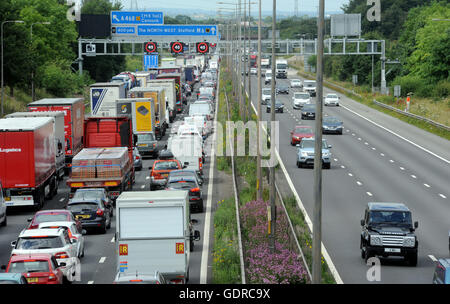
[{"x": 282, "y": 5}]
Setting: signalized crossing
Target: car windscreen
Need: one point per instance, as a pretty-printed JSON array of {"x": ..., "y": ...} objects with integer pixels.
[
  {"x": 29, "y": 266},
  {"x": 308, "y": 144},
  {"x": 310, "y": 84},
  {"x": 166, "y": 165},
  {"x": 332, "y": 96},
  {"x": 304, "y": 130},
  {"x": 91, "y": 194},
  {"x": 332, "y": 120},
  {"x": 78, "y": 207},
  {"x": 310, "y": 107},
  {"x": 301, "y": 96},
  {"x": 182, "y": 185},
  {"x": 281, "y": 66},
  {"x": 390, "y": 217},
  {"x": 47, "y": 217},
  {"x": 145, "y": 137},
  {"x": 45, "y": 242}
]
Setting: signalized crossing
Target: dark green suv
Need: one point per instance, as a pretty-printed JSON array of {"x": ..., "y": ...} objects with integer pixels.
[{"x": 388, "y": 230}]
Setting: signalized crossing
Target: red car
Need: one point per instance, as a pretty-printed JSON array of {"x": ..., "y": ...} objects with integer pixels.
[
  {"x": 36, "y": 268},
  {"x": 299, "y": 133},
  {"x": 55, "y": 215}
]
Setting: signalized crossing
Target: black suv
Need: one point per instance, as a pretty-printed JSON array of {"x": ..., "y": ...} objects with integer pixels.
[{"x": 387, "y": 230}]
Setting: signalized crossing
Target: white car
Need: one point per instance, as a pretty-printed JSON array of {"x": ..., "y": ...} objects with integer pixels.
[
  {"x": 310, "y": 87},
  {"x": 2, "y": 207},
  {"x": 300, "y": 99},
  {"x": 331, "y": 99},
  {"x": 253, "y": 71},
  {"x": 268, "y": 77},
  {"x": 266, "y": 95},
  {"x": 296, "y": 83},
  {"x": 54, "y": 241},
  {"x": 75, "y": 236}
]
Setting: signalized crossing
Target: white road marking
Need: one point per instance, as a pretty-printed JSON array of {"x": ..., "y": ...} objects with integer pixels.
[
  {"x": 143, "y": 186},
  {"x": 369, "y": 194},
  {"x": 113, "y": 239},
  {"x": 350, "y": 174},
  {"x": 353, "y": 134},
  {"x": 359, "y": 138},
  {"x": 62, "y": 199},
  {"x": 432, "y": 258},
  {"x": 392, "y": 132},
  {"x": 401, "y": 168},
  {"x": 413, "y": 176},
  {"x": 391, "y": 160},
  {"x": 90, "y": 282},
  {"x": 426, "y": 185},
  {"x": 102, "y": 260},
  {"x": 442, "y": 195},
  {"x": 373, "y": 148},
  {"x": 366, "y": 143},
  {"x": 382, "y": 154},
  {"x": 359, "y": 183},
  {"x": 147, "y": 177},
  {"x": 343, "y": 167}
]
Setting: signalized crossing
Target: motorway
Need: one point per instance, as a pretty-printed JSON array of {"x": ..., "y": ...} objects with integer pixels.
[
  {"x": 378, "y": 158},
  {"x": 98, "y": 266}
]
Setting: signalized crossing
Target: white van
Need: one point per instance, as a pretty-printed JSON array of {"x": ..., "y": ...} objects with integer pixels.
[
  {"x": 2, "y": 207},
  {"x": 268, "y": 77}
]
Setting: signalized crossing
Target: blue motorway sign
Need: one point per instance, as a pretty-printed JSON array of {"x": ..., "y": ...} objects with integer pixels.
[
  {"x": 150, "y": 61},
  {"x": 177, "y": 30},
  {"x": 123, "y": 17}
]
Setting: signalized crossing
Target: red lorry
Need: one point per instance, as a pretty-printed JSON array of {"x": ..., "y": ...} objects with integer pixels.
[
  {"x": 107, "y": 132},
  {"x": 179, "y": 96},
  {"x": 73, "y": 109},
  {"x": 27, "y": 160}
]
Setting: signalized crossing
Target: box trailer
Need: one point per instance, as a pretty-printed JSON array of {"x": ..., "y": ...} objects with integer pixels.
[
  {"x": 73, "y": 109},
  {"x": 178, "y": 89},
  {"x": 170, "y": 92},
  {"x": 188, "y": 149},
  {"x": 159, "y": 99},
  {"x": 58, "y": 120},
  {"x": 27, "y": 160},
  {"x": 154, "y": 233},
  {"x": 103, "y": 96},
  {"x": 142, "y": 78}
]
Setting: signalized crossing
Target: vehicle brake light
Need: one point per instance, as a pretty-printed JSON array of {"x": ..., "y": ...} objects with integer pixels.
[
  {"x": 61, "y": 255},
  {"x": 137, "y": 280},
  {"x": 195, "y": 190},
  {"x": 99, "y": 212},
  {"x": 52, "y": 278}
]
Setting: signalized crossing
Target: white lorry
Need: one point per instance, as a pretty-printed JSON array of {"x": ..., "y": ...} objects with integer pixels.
[
  {"x": 170, "y": 94},
  {"x": 154, "y": 232},
  {"x": 188, "y": 149},
  {"x": 281, "y": 66},
  {"x": 103, "y": 98}
]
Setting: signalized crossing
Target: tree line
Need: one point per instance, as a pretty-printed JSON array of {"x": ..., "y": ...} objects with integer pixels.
[{"x": 416, "y": 33}]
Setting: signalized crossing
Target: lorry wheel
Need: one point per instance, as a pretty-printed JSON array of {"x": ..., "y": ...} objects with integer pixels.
[{"x": 40, "y": 197}]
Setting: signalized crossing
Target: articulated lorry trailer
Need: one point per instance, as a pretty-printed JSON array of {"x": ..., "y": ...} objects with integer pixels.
[
  {"x": 58, "y": 120},
  {"x": 27, "y": 160}
]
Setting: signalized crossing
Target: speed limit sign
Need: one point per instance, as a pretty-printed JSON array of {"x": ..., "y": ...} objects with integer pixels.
[
  {"x": 177, "y": 47},
  {"x": 202, "y": 47},
  {"x": 150, "y": 47}
]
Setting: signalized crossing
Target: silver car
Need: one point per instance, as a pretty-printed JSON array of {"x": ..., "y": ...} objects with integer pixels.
[{"x": 300, "y": 99}]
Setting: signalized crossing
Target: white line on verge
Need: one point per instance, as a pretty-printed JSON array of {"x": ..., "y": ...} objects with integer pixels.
[{"x": 102, "y": 260}]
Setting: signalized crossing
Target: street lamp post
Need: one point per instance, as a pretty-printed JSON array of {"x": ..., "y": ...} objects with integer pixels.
[
  {"x": 33, "y": 97},
  {"x": 272, "y": 140},
  {"x": 3, "y": 91},
  {"x": 258, "y": 155}
]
